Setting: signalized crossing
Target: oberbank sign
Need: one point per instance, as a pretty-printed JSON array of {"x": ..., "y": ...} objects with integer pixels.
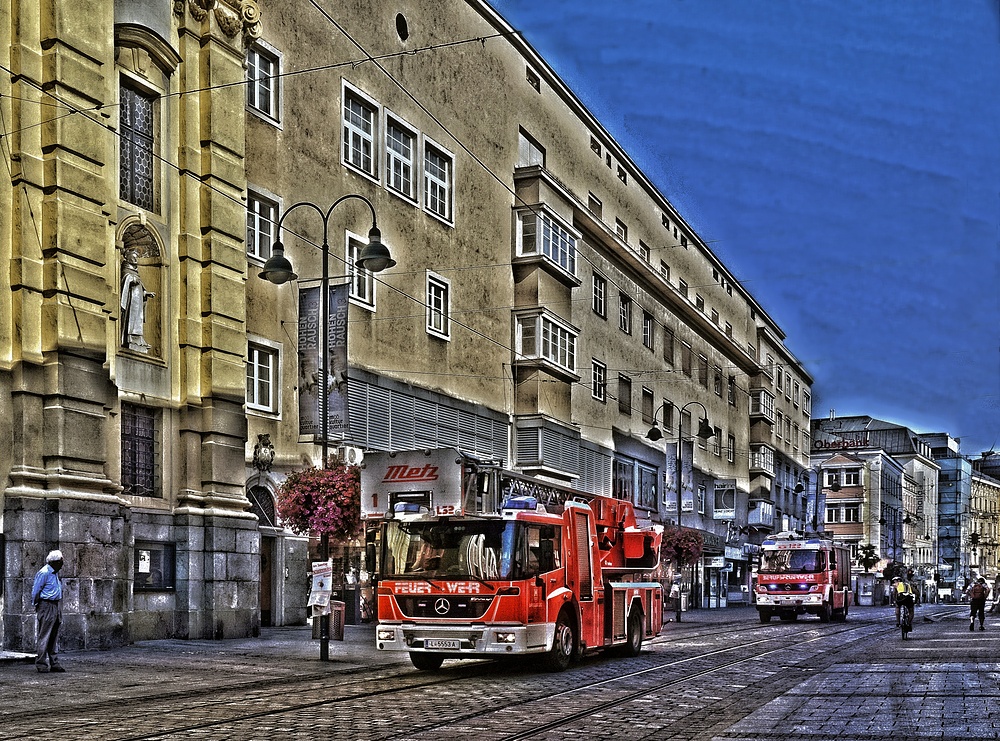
[{"x": 842, "y": 442}]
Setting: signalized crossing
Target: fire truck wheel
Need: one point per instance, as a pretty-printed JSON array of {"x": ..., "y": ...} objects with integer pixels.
[
  {"x": 633, "y": 643},
  {"x": 765, "y": 614},
  {"x": 563, "y": 646},
  {"x": 426, "y": 662},
  {"x": 825, "y": 612}
]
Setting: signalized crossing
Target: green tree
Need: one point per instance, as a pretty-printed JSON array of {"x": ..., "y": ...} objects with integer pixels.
[{"x": 868, "y": 556}]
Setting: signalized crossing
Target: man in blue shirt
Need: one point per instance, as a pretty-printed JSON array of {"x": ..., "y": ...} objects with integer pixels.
[{"x": 45, "y": 597}]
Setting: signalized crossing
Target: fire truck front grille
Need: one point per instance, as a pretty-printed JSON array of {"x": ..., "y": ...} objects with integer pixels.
[{"x": 440, "y": 606}]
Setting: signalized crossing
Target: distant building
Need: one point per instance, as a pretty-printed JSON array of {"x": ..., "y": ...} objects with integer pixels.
[{"x": 879, "y": 487}]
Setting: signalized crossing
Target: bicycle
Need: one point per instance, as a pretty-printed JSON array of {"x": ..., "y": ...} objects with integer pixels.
[{"x": 906, "y": 602}]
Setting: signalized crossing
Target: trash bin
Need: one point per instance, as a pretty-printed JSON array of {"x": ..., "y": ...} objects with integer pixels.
[
  {"x": 336, "y": 616},
  {"x": 336, "y": 620}
]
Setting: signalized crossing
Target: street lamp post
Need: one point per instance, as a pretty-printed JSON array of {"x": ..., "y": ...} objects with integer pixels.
[
  {"x": 705, "y": 431},
  {"x": 375, "y": 258}
]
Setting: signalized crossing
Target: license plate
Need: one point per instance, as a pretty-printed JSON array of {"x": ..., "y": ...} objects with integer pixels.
[{"x": 439, "y": 643}]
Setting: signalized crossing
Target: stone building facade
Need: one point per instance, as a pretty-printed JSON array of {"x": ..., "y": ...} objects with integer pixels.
[{"x": 123, "y": 337}]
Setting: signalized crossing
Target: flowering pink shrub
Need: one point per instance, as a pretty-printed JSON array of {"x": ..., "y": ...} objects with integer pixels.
[
  {"x": 322, "y": 501},
  {"x": 681, "y": 546}
]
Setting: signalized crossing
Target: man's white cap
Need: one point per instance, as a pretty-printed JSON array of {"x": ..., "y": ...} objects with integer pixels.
[{"x": 54, "y": 556}]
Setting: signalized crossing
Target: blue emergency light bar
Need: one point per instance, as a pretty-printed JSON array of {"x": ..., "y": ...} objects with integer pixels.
[
  {"x": 525, "y": 503},
  {"x": 406, "y": 508}
]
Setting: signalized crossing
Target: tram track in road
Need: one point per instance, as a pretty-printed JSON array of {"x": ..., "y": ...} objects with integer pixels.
[
  {"x": 863, "y": 629},
  {"x": 251, "y": 703}
]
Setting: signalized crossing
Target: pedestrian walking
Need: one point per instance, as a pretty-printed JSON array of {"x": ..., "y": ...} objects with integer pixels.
[
  {"x": 46, "y": 597},
  {"x": 977, "y": 594}
]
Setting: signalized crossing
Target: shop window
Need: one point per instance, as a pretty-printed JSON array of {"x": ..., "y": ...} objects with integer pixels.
[{"x": 154, "y": 566}]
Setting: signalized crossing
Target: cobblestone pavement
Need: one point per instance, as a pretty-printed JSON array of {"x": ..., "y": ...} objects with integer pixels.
[{"x": 717, "y": 675}]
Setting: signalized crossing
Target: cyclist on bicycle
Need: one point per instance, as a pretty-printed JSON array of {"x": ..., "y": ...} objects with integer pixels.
[{"x": 904, "y": 598}]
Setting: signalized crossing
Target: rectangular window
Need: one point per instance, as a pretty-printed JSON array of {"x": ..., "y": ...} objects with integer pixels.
[
  {"x": 717, "y": 380},
  {"x": 831, "y": 479},
  {"x": 599, "y": 380},
  {"x": 795, "y": 393},
  {"x": 668, "y": 346},
  {"x": 833, "y": 514},
  {"x": 262, "y": 81},
  {"x": 731, "y": 449},
  {"x": 699, "y": 302},
  {"x": 687, "y": 360},
  {"x": 599, "y": 301},
  {"x": 715, "y": 317},
  {"x": 140, "y": 448},
  {"x": 594, "y": 205},
  {"x": 400, "y": 151},
  {"x": 682, "y": 286},
  {"x": 647, "y": 406},
  {"x": 647, "y": 329},
  {"x": 136, "y": 137},
  {"x": 541, "y": 234},
  {"x": 625, "y": 395},
  {"x": 644, "y": 251},
  {"x": 154, "y": 566},
  {"x": 731, "y": 390},
  {"x": 625, "y": 314},
  {"x": 542, "y": 338},
  {"x": 664, "y": 271},
  {"x": 437, "y": 182},
  {"x": 621, "y": 229},
  {"x": 806, "y": 403},
  {"x": 717, "y": 441},
  {"x": 262, "y": 378},
  {"x": 262, "y": 218},
  {"x": 359, "y": 134},
  {"x": 529, "y": 151},
  {"x": 362, "y": 281},
  {"x": 667, "y": 412},
  {"x": 438, "y": 308},
  {"x": 852, "y": 477},
  {"x": 852, "y": 513},
  {"x": 703, "y": 370}
]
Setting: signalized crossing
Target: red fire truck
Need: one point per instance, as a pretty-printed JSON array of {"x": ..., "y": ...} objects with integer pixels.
[
  {"x": 475, "y": 561},
  {"x": 803, "y": 575}
]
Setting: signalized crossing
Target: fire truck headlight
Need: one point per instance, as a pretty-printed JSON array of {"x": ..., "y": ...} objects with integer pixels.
[
  {"x": 505, "y": 637},
  {"x": 815, "y": 588},
  {"x": 386, "y": 634}
]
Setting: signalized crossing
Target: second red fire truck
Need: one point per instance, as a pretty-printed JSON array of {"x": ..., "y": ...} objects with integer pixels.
[
  {"x": 803, "y": 575},
  {"x": 475, "y": 561}
]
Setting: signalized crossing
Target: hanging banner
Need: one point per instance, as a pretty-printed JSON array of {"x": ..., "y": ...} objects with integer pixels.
[
  {"x": 687, "y": 477},
  {"x": 311, "y": 387},
  {"x": 670, "y": 479}
]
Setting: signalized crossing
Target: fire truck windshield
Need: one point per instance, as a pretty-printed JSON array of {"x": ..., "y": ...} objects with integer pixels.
[
  {"x": 792, "y": 561},
  {"x": 476, "y": 549}
]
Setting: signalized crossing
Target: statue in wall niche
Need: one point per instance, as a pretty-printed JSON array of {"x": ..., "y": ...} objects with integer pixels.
[{"x": 133, "y": 304}]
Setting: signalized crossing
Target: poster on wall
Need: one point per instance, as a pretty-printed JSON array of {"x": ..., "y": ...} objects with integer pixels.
[
  {"x": 687, "y": 477},
  {"x": 311, "y": 384}
]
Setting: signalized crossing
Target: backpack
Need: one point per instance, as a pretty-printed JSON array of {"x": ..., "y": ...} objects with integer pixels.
[{"x": 978, "y": 591}]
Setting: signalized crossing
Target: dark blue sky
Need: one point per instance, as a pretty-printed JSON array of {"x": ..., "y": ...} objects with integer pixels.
[{"x": 841, "y": 156}]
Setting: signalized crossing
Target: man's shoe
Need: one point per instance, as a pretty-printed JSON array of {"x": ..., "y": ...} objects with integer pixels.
[
  {"x": 57, "y": 668},
  {"x": 42, "y": 668},
  {"x": 981, "y": 627},
  {"x": 972, "y": 626}
]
